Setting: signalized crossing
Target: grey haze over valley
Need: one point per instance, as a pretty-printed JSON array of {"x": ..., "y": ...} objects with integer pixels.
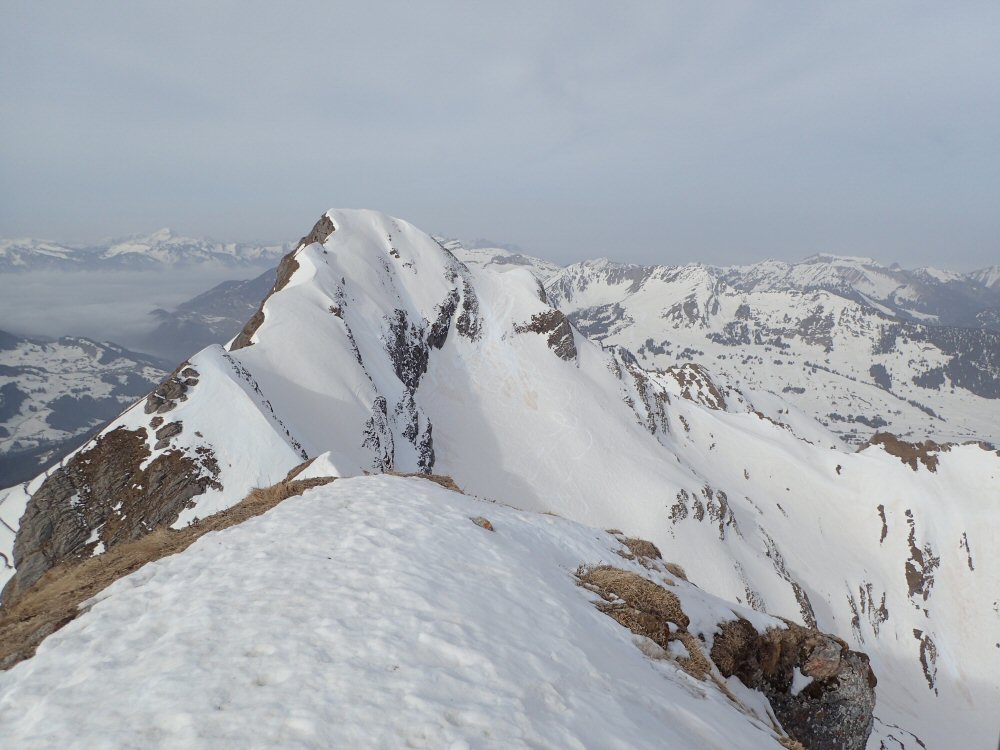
[{"x": 658, "y": 133}]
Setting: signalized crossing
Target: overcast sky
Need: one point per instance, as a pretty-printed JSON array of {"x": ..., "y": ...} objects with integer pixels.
[{"x": 666, "y": 132}]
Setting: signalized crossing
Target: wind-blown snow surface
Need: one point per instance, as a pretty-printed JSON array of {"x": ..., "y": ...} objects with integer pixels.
[
  {"x": 370, "y": 613},
  {"x": 387, "y": 351}
]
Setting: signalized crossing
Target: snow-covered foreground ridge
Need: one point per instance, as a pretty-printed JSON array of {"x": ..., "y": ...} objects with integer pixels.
[
  {"x": 374, "y": 613},
  {"x": 381, "y": 348}
]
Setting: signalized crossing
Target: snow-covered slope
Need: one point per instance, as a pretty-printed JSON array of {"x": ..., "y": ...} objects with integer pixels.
[
  {"x": 380, "y": 347},
  {"x": 841, "y": 357},
  {"x": 163, "y": 248},
  {"x": 922, "y": 295},
  {"x": 484, "y": 255},
  {"x": 987, "y": 276},
  {"x": 373, "y": 613},
  {"x": 55, "y": 391}
]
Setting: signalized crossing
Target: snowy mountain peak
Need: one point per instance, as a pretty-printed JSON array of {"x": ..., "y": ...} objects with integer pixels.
[
  {"x": 162, "y": 235},
  {"x": 988, "y": 277},
  {"x": 840, "y": 260},
  {"x": 379, "y": 350}
]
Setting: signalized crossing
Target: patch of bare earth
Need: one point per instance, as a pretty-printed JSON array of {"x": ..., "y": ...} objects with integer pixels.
[
  {"x": 440, "y": 479},
  {"x": 55, "y": 599}
]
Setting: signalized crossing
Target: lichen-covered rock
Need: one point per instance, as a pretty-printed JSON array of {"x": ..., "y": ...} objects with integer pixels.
[{"x": 822, "y": 692}]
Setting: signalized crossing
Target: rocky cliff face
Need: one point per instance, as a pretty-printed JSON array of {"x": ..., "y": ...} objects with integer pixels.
[
  {"x": 821, "y": 691},
  {"x": 108, "y": 493}
]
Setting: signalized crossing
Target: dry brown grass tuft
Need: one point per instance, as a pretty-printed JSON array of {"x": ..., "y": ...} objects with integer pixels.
[
  {"x": 637, "y": 593},
  {"x": 442, "y": 479},
  {"x": 55, "y": 599},
  {"x": 790, "y": 744},
  {"x": 641, "y": 548},
  {"x": 646, "y": 609},
  {"x": 676, "y": 570},
  {"x": 734, "y": 640},
  {"x": 295, "y": 471}
]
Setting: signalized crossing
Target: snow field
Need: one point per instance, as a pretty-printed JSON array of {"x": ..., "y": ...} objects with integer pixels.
[{"x": 372, "y": 613}]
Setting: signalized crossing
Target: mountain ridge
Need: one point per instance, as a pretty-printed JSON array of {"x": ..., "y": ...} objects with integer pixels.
[
  {"x": 407, "y": 359},
  {"x": 162, "y": 248}
]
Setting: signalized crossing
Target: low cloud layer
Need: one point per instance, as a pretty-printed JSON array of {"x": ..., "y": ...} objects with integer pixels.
[{"x": 106, "y": 306}]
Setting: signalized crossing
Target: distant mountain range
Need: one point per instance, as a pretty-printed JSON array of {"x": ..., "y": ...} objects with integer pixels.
[
  {"x": 923, "y": 295},
  {"x": 683, "y": 417},
  {"x": 212, "y": 317},
  {"x": 55, "y": 392},
  {"x": 855, "y": 344},
  {"x": 159, "y": 249},
  {"x": 858, "y": 346}
]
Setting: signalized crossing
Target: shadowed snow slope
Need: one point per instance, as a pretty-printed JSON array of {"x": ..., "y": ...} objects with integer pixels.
[{"x": 381, "y": 349}]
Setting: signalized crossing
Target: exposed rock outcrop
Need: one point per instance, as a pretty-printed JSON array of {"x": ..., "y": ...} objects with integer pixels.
[
  {"x": 320, "y": 232},
  {"x": 697, "y": 385},
  {"x": 103, "y": 496},
  {"x": 822, "y": 692},
  {"x": 559, "y": 335},
  {"x": 174, "y": 389},
  {"x": 909, "y": 453}
]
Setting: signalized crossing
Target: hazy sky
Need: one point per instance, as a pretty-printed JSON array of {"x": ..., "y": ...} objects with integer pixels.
[{"x": 667, "y": 131}]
